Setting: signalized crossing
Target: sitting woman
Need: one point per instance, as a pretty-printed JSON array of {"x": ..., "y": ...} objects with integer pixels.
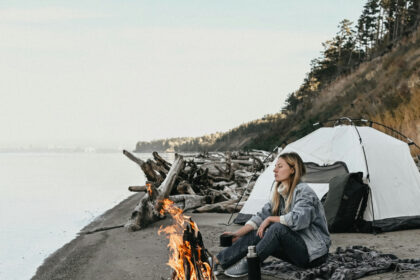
[{"x": 292, "y": 226}]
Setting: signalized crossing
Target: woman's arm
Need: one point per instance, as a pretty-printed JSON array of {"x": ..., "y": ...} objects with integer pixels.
[
  {"x": 266, "y": 223},
  {"x": 253, "y": 223}
]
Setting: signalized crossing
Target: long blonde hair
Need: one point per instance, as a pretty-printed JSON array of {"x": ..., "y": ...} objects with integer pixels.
[{"x": 294, "y": 161}]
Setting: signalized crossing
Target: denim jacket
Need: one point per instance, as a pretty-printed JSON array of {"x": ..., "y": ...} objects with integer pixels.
[{"x": 306, "y": 217}]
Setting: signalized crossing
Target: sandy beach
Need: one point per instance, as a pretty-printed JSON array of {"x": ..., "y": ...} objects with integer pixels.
[{"x": 118, "y": 254}]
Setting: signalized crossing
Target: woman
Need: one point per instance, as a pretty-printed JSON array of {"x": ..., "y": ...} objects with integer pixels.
[{"x": 292, "y": 226}]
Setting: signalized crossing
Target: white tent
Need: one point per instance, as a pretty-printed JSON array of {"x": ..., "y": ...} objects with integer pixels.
[{"x": 385, "y": 161}]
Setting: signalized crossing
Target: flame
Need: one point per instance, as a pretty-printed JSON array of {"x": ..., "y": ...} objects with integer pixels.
[
  {"x": 180, "y": 258},
  {"x": 149, "y": 188}
]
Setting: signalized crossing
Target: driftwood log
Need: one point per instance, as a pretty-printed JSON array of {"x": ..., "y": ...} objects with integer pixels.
[
  {"x": 187, "y": 202},
  {"x": 137, "y": 188},
  {"x": 228, "y": 206},
  {"x": 147, "y": 210},
  {"x": 145, "y": 167}
]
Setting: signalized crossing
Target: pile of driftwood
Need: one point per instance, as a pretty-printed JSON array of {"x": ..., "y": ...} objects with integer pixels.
[{"x": 205, "y": 182}]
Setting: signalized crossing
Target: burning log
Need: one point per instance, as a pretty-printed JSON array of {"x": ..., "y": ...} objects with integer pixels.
[
  {"x": 147, "y": 211},
  {"x": 188, "y": 257}
]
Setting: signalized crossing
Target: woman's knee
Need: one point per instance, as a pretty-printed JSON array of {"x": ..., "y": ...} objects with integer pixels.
[{"x": 278, "y": 229}]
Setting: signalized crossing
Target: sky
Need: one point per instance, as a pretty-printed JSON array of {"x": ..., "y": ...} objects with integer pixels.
[{"x": 110, "y": 73}]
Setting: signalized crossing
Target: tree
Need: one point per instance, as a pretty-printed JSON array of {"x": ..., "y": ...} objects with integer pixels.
[
  {"x": 368, "y": 24},
  {"x": 346, "y": 44},
  {"x": 291, "y": 102}
]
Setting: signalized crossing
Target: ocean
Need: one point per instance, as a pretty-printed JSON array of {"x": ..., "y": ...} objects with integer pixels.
[{"x": 47, "y": 198}]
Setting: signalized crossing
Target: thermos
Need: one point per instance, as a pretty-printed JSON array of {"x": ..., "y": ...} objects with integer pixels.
[{"x": 254, "y": 269}]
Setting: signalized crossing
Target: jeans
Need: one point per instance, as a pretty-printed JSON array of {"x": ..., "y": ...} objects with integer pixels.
[{"x": 278, "y": 241}]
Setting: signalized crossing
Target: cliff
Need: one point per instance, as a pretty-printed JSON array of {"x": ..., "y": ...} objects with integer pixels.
[{"x": 385, "y": 89}]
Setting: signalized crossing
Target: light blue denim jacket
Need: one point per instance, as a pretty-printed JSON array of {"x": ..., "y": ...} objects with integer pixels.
[{"x": 306, "y": 217}]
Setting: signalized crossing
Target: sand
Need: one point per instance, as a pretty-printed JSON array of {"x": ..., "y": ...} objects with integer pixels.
[{"x": 119, "y": 254}]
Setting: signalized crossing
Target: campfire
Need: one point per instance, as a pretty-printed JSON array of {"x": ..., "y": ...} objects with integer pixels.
[{"x": 188, "y": 257}]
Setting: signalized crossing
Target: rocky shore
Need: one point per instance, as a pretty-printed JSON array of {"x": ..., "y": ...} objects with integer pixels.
[{"x": 119, "y": 254}]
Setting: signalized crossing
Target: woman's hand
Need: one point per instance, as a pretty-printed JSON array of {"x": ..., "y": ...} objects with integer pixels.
[
  {"x": 235, "y": 236},
  {"x": 264, "y": 226}
]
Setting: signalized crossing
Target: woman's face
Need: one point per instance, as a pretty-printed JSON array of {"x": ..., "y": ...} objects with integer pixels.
[{"x": 282, "y": 171}]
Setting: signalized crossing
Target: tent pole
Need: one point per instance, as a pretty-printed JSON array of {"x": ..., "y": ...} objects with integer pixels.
[
  {"x": 367, "y": 178},
  {"x": 370, "y": 124}
]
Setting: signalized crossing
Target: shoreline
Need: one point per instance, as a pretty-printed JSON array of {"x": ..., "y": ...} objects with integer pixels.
[
  {"x": 52, "y": 262},
  {"x": 119, "y": 254}
]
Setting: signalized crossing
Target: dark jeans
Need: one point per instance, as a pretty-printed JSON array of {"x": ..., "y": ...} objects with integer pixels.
[{"x": 278, "y": 241}]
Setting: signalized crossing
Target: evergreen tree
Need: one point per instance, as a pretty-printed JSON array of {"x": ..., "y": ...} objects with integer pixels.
[
  {"x": 291, "y": 102},
  {"x": 346, "y": 45},
  {"x": 370, "y": 20}
]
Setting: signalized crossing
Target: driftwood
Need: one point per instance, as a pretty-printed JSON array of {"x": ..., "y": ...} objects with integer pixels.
[
  {"x": 259, "y": 163},
  {"x": 187, "y": 202},
  {"x": 161, "y": 161},
  {"x": 230, "y": 191},
  {"x": 147, "y": 210},
  {"x": 206, "y": 182},
  {"x": 145, "y": 167},
  {"x": 184, "y": 187},
  {"x": 243, "y": 162},
  {"x": 221, "y": 207},
  {"x": 100, "y": 229},
  {"x": 137, "y": 188}
]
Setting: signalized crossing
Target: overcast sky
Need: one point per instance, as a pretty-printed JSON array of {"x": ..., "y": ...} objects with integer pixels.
[{"x": 109, "y": 73}]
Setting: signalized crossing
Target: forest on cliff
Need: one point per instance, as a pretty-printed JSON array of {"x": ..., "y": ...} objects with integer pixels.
[{"x": 369, "y": 69}]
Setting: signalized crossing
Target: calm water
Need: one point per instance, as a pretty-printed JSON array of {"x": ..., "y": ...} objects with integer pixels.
[{"x": 46, "y": 198}]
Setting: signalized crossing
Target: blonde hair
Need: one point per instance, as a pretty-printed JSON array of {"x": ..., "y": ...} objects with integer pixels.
[{"x": 294, "y": 161}]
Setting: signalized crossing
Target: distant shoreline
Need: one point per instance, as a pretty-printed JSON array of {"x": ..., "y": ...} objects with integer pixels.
[{"x": 46, "y": 151}]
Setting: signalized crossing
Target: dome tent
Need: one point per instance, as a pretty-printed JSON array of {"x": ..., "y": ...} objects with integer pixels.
[{"x": 386, "y": 164}]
